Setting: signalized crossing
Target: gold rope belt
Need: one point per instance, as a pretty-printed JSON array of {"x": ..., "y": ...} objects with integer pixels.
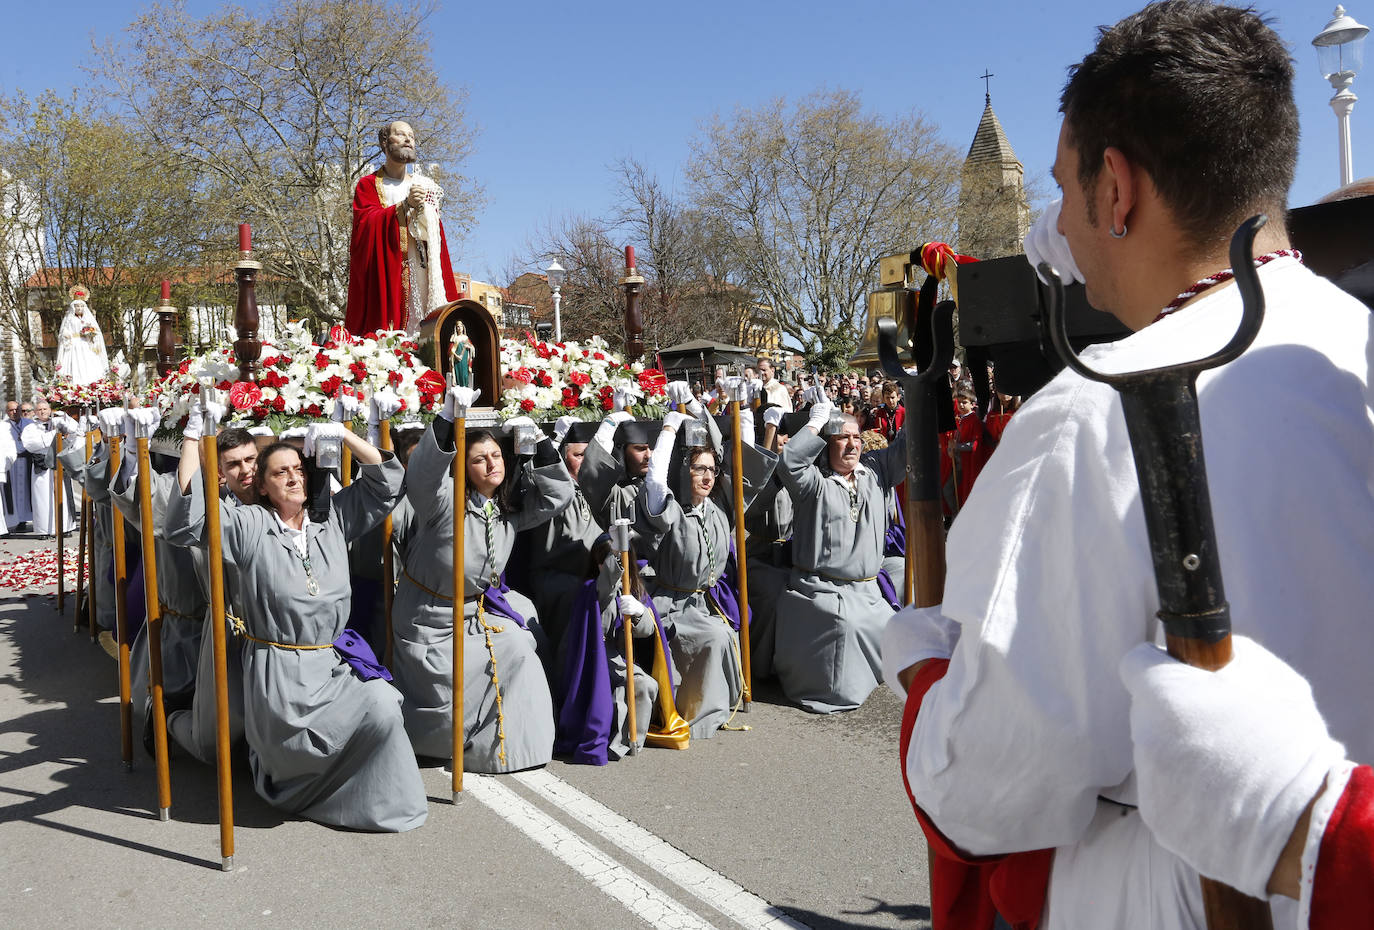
[
  {"x": 240, "y": 629},
  {"x": 658, "y": 582},
  {"x": 843, "y": 580},
  {"x": 169, "y": 612},
  {"x": 432, "y": 593}
]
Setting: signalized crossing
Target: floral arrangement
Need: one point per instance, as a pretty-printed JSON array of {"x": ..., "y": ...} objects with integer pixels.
[
  {"x": 300, "y": 380},
  {"x": 88, "y": 332},
  {"x": 548, "y": 380},
  {"x": 63, "y": 392}
]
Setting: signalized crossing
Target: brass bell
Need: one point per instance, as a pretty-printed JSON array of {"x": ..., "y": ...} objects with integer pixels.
[{"x": 894, "y": 300}]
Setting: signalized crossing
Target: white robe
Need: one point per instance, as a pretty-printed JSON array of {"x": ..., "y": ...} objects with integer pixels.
[
  {"x": 1050, "y": 582},
  {"x": 40, "y": 441},
  {"x": 83, "y": 359}
]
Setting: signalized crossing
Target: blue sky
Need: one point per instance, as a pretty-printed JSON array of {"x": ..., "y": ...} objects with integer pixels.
[{"x": 559, "y": 91}]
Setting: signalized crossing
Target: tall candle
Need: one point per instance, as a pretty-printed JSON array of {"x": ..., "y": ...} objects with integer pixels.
[
  {"x": 629, "y": 258},
  {"x": 166, "y": 291},
  {"x": 245, "y": 238}
]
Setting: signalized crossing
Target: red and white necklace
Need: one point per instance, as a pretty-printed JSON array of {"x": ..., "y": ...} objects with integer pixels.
[{"x": 1221, "y": 277}]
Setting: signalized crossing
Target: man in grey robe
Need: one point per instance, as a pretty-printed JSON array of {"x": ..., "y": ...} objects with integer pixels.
[{"x": 830, "y": 620}]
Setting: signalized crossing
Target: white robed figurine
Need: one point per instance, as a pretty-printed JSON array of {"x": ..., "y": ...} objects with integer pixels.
[{"x": 81, "y": 355}]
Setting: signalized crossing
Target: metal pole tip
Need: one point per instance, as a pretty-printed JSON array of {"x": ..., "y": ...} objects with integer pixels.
[
  {"x": 226, "y": 864},
  {"x": 128, "y": 765},
  {"x": 634, "y": 749},
  {"x": 747, "y": 707},
  {"x": 164, "y": 814},
  {"x": 457, "y": 798}
]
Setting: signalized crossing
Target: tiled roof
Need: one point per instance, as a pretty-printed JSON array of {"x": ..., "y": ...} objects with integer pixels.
[{"x": 990, "y": 145}]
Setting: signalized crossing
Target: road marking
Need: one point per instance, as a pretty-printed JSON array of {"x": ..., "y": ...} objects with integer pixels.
[
  {"x": 613, "y": 879},
  {"x": 746, "y": 909}
]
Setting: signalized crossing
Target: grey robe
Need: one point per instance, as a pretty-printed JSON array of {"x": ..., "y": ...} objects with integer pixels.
[
  {"x": 830, "y": 620},
  {"x": 179, "y": 593},
  {"x": 422, "y": 622},
  {"x": 94, "y": 477},
  {"x": 646, "y": 686},
  {"x": 769, "y": 521},
  {"x": 322, "y": 742},
  {"x": 693, "y": 546},
  {"x": 560, "y": 554}
]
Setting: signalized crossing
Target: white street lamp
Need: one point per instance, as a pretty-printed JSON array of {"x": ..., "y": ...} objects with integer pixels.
[
  {"x": 557, "y": 274},
  {"x": 1340, "y": 53}
]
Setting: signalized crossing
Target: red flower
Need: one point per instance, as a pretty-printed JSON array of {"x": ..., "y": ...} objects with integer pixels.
[
  {"x": 580, "y": 378},
  {"x": 607, "y": 402},
  {"x": 542, "y": 379},
  {"x": 431, "y": 382},
  {"x": 359, "y": 371},
  {"x": 244, "y": 395},
  {"x": 653, "y": 382},
  {"x": 599, "y": 356},
  {"x": 330, "y": 385},
  {"x": 279, "y": 403},
  {"x": 569, "y": 400},
  {"x": 269, "y": 361},
  {"x": 393, "y": 378},
  {"x": 321, "y": 361},
  {"x": 338, "y": 334},
  {"x": 523, "y": 375},
  {"x": 527, "y": 405},
  {"x": 314, "y": 410},
  {"x": 260, "y": 412}
]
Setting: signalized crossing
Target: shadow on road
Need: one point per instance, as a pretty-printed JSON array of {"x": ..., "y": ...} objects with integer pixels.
[{"x": 916, "y": 916}]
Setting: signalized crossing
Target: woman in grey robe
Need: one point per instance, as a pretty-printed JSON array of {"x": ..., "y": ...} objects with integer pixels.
[
  {"x": 830, "y": 620},
  {"x": 322, "y": 742},
  {"x": 693, "y": 547},
  {"x": 507, "y": 709}
]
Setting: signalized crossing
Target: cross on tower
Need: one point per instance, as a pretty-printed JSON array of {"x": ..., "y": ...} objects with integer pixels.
[{"x": 987, "y": 85}]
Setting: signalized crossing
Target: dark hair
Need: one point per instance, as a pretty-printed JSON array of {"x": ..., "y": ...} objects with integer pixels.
[
  {"x": 505, "y": 491},
  {"x": 601, "y": 548},
  {"x": 260, "y": 476},
  {"x": 1200, "y": 96},
  {"x": 404, "y": 443},
  {"x": 233, "y": 437},
  {"x": 385, "y": 131}
]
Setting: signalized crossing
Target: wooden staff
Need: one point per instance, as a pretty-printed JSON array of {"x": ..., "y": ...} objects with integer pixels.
[
  {"x": 121, "y": 571},
  {"x": 460, "y": 512},
  {"x": 620, "y": 533},
  {"x": 1165, "y": 428},
  {"x": 388, "y": 566},
  {"x": 209, "y": 448},
  {"x": 154, "y": 630},
  {"x": 81, "y": 546},
  {"x": 57, "y": 522},
  {"x": 741, "y": 562},
  {"x": 346, "y": 462}
]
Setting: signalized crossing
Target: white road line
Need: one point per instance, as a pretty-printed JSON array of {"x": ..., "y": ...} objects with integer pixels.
[
  {"x": 613, "y": 879},
  {"x": 747, "y": 910}
]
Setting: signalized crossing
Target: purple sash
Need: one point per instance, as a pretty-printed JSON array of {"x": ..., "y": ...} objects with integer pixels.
[
  {"x": 888, "y": 589},
  {"x": 586, "y": 708},
  {"x": 498, "y": 605},
  {"x": 894, "y": 542},
  {"x": 355, "y": 651},
  {"x": 723, "y": 593}
]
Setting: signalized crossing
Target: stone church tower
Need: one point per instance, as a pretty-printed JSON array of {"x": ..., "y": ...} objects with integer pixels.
[{"x": 993, "y": 211}]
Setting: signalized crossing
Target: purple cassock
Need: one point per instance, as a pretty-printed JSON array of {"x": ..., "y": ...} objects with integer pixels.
[{"x": 18, "y": 490}]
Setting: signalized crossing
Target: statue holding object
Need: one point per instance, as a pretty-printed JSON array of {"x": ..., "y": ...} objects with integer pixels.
[{"x": 460, "y": 356}]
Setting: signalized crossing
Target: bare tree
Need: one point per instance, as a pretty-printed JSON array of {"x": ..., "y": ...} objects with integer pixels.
[
  {"x": 812, "y": 195},
  {"x": 277, "y": 115}
]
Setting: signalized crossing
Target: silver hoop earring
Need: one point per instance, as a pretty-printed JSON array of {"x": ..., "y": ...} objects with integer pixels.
[{"x": 1118, "y": 235}]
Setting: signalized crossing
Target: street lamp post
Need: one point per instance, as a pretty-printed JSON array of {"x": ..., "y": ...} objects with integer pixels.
[
  {"x": 1340, "y": 53},
  {"x": 557, "y": 274}
]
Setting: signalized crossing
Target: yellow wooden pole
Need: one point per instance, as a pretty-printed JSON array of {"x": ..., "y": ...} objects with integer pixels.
[
  {"x": 209, "y": 447},
  {"x": 460, "y": 510},
  {"x": 620, "y": 532},
  {"x": 388, "y": 566},
  {"x": 154, "y": 631},
  {"x": 121, "y": 571},
  {"x": 90, "y": 554},
  {"x": 58, "y": 536}
]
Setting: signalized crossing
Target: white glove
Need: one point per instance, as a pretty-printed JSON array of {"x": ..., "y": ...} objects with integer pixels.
[
  {"x": 1225, "y": 761},
  {"x": 318, "y": 431},
  {"x": 746, "y": 425},
  {"x": 815, "y": 395},
  {"x": 679, "y": 392},
  {"x": 66, "y": 424},
  {"x": 630, "y": 606},
  {"x": 514, "y": 422},
  {"x": 696, "y": 408},
  {"x": 820, "y": 415},
  {"x": 673, "y": 420},
  {"x": 142, "y": 422},
  {"x": 383, "y": 405},
  {"x": 733, "y": 388},
  {"x": 605, "y": 433},
  {"x": 294, "y": 432},
  {"x": 621, "y": 400},
  {"x": 640, "y": 619},
  {"x": 772, "y": 417},
  {"x": 111, "y": 419},
  {"x": 755, "y": 389},
  {"x": 561, "y": 427},
  {"x": 198, "y": 424},
  {"x": 346, "y": 407},
  {"x": 1045, "y": 243},
  {"x": 259, "y": 431},
  {"x": 458, "y": 399}
]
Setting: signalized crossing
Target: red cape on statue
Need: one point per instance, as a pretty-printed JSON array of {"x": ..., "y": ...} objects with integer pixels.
[{"x": 376, "y": 292}]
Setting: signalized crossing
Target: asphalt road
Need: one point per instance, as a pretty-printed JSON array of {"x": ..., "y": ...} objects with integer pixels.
[{"x": 806, "y": 814}]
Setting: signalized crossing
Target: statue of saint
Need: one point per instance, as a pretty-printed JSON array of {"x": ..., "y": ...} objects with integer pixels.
[
  {"x": 460, "y": 355},
  {"x": 81, "y": 356},
  {"x": 399, "y": 269}
]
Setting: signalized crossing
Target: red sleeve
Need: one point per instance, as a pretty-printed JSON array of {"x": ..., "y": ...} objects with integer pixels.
[
  {"x": 967, "y": 891},
  {"x": 898, "y": 418},
  {"x": 375, "y": 296},
  {"x": 1343, "y": 886},
  {"x": 446, "y": 266}
]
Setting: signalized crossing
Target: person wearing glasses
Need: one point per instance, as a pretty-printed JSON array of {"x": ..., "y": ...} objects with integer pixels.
[{"x": 690, "y": 561}]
